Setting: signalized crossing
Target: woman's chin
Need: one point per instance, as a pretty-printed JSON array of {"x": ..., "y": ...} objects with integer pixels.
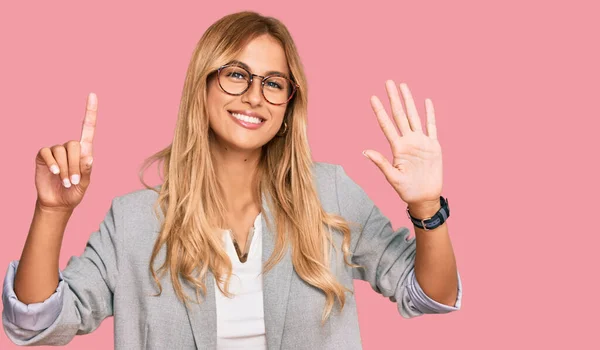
[{"x": 244, "y": 143}]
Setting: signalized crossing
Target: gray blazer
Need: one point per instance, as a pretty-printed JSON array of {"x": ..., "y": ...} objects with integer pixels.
[{"x": 111, "y": 278}]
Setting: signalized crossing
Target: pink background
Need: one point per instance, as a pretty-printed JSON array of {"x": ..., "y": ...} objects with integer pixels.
[{"x": 514, "y": 86}]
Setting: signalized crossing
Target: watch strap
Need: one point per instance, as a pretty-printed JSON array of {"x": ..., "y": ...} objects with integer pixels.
[{"x": 436, "y": 220}]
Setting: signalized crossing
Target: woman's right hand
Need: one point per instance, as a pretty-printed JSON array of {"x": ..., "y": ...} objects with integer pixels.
[{"x": 62, "y": 172}]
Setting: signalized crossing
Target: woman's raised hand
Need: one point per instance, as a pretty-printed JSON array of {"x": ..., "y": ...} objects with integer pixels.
[
  {"x": 416, "y": 169},
  {"x": 62, "y": 172}
]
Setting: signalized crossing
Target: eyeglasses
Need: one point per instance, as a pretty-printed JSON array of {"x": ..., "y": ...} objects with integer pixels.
[{"x": 235, "y": 80}]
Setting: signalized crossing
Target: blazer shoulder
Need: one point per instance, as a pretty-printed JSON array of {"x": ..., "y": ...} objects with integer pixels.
[
  {"x": 324, "y": 170},
  {"x": 139, "y": 196},
  {"x": 324, "y": 175},
  {"x": 137, "y": 207}
]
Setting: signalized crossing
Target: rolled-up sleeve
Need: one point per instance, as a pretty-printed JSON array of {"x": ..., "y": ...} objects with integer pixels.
[
  {"x": 387, "y": 256},
  {"x": 35, "y": 316},
  {"x": 422, "y": 303}
]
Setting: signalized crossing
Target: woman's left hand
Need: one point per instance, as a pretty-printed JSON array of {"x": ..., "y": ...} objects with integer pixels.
[{"x": 416, "y": 169}]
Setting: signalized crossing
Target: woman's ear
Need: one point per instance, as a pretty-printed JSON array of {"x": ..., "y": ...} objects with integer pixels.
[{"x": 210, "y": 78}]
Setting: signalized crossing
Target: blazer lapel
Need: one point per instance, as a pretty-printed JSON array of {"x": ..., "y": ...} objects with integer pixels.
[
  {"x": 203, "y": 316},
  {"x": 276, "y": 284}
]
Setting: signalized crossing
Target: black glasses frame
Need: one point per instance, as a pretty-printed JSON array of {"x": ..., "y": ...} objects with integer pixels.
[{"x": 262, "y": 83}]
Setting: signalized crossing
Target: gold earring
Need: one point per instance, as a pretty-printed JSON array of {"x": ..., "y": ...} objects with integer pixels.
[{"x": 284, "y": 129}]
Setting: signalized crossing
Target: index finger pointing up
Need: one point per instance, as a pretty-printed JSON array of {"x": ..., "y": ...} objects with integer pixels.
[{"x": 89, "y": 125}]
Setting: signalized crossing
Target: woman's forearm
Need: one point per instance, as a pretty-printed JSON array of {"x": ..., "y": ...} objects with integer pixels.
[
  {"x": 435, "y": 264},
  {"x": 37, "y": 274}
]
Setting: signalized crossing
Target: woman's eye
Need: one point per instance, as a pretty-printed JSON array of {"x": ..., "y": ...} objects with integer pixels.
[
  {"x": 237, "y": 75},
  {"x": 274, "y": 85}
]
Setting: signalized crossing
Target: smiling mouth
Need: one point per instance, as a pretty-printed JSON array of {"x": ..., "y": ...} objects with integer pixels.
[{"x": 247, "y": 119}]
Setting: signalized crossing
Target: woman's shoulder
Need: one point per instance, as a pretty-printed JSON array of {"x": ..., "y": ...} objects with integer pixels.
[
  {"x": 136, "y": 205},
  {"x": 139, "y": 196},
  {"x": 324, "y": 175},
  {"x": 324, "y": 169}
]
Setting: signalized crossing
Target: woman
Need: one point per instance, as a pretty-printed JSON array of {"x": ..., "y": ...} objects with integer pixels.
[{"x": 241, "y": 196}]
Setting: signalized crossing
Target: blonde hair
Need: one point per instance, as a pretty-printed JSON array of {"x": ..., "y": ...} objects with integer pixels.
[{"x": 191, "y": 199}]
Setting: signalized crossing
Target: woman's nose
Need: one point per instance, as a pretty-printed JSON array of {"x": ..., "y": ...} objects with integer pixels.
[{"x": 254, "y": 93}]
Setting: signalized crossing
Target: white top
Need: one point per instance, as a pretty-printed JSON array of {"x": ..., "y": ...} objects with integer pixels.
[{"x": 240, "y": 320}]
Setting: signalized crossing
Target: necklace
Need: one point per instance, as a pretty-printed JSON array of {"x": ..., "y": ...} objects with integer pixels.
[{"x": 242, "y": 256}]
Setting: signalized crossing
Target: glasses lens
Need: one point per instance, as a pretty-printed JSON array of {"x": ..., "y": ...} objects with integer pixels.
[
  {"x": 277, "y": 89},
  {"x": 234, "y": 79}
]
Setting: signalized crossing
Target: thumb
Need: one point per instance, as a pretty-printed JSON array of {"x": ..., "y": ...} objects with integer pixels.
[
  {"x": 382, "y": 163},
  {"x": 86, "y": 169}
]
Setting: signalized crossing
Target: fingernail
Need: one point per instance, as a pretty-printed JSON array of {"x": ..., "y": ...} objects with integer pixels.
[
  {"x": 66, "y": 183},
  {"x": 92, "y": 99},
  {"x": 74, "y": 179},
  {"x": 365, "y": 154},
  {"x": 54, "y": 169}
]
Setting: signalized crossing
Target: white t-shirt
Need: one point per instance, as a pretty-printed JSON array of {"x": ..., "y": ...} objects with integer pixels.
[{"x": 240, "y": 320}]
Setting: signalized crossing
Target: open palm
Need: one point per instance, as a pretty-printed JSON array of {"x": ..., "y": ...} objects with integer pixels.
[{"x": 416, "y": 168}]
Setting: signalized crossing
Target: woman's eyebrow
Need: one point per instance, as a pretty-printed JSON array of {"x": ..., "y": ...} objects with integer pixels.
[{"x": 271, "y": 72}]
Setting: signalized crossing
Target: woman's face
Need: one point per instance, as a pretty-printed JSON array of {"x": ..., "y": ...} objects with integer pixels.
[{"x": 261, "y": 55}]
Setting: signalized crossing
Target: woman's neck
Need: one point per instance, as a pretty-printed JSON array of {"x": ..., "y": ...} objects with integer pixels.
[{"x": 237, "y": 174}]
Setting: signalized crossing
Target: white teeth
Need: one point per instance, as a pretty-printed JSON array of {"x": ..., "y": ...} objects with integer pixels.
[{"x": 246, "y": 118}]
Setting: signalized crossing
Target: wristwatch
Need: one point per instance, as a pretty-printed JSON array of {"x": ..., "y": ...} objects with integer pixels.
[{"x": 436, "y": 220}]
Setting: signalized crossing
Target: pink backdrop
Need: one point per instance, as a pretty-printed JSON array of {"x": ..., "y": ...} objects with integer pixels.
[{"x": 513, "y": 84}]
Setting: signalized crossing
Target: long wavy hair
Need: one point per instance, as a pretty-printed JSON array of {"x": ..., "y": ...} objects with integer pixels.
[{"x": 191, "y": 199}]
